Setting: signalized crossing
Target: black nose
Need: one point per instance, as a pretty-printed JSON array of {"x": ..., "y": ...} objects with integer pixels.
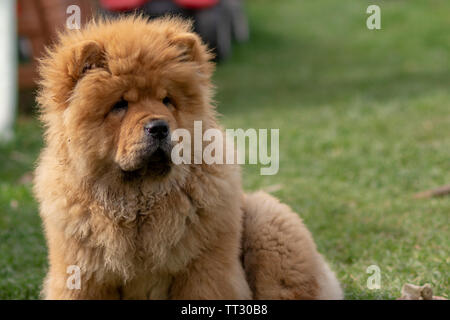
[{"x": 158, "y": 129}]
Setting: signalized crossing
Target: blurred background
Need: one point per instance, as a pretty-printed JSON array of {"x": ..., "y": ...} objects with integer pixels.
[
  {"x": 364, "y": 119},
  {"x": 219, "y": 23}
]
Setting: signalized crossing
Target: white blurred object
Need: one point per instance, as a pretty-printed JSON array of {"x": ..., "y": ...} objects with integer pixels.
[{"x": 8, "y": 68}]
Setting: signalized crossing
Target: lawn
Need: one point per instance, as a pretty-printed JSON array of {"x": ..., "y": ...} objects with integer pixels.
[{"x": 364, "y": 119}]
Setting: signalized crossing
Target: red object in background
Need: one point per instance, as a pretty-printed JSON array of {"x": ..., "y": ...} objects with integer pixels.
[
  {"x": 196, "y": 4},
  {"x": 122, "y": 5},
  {"x": 125, "y": 5},
  {"x": 217, "y": 22}
]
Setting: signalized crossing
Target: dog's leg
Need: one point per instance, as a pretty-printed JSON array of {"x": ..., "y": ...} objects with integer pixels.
[
  {"x": 214, "y": 275},
  {"x": 280, "y": 256},
  {"x": 69, "y": 277},
  {"x": 59, "y": 286}
]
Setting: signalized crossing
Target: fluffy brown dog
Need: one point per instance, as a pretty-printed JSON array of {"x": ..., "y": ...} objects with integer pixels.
[{"x": 114, "y": 205}]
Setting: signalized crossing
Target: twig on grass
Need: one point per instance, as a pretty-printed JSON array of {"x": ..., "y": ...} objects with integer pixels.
[{"x": 438, "y": 192}]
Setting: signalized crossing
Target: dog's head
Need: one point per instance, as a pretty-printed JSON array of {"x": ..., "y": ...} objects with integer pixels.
[{"x": 112, "y": 93}]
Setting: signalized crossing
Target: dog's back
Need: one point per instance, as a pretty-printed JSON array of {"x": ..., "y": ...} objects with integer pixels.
[{"x": 279, "y": 254}]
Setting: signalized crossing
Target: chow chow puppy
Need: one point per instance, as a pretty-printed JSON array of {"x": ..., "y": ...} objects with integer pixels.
[{"x": 117, "y": 209}]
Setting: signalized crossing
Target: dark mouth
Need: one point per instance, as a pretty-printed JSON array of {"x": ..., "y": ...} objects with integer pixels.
[
  {"x": 159, "y": 157},
  {"x": 158, "y": 164}
]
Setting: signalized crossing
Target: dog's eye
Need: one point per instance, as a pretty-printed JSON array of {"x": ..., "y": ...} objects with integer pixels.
[
  {"x": 167, "y": 101},
  {"x": 120, "y": 105}
]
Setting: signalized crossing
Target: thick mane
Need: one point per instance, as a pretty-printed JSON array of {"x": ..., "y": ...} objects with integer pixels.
[{"x": 148, "y": 41}]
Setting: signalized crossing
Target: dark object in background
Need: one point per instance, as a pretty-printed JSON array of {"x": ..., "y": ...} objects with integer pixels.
[
  {"x": 218, "y": 22},
  {"x": 37, "y": 24}
]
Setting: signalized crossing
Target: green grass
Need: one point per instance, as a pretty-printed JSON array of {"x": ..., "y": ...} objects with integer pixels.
[
  {"x": 22, "y": 246},
  {"x": 364, "y": 120}
]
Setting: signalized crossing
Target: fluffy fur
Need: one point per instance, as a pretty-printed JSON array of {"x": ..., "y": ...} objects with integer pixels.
[
  {"x": 158, "y": 230},
  {"x": 279, "y": 254}
]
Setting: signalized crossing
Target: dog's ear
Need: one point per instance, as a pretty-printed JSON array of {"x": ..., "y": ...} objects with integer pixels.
[
  {"x": 192, "y": 47},
  {"x": 84, "y": 56}
]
